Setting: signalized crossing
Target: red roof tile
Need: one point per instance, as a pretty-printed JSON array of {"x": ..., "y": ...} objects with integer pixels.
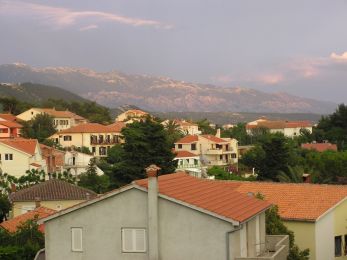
[
  {"x": 182, "y": 154},
  {"x": 8, "y": 117},
  {"x": 10, "y": 124},
  {"x": 305, "y": 202},
  {"x": 56, "y": 113},
  {"x": 216, "y": 197},
  {"x": 12, "y": 224},
  {"x": 117, "y": 126},
  {"x": 320, "y": 147},
  {"x": 214, "y": 139},
  {"x": 188, "y": 139},
  {"x": 89, "y": 128},
  {"x": 25, "y": 145}
]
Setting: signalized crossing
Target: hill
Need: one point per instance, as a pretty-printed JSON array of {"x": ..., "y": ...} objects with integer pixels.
[
  {"x": 152, "y": 93},
  {"x": 36, "y": 93}
]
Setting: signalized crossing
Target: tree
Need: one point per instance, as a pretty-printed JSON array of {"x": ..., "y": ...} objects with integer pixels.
[
  {"x": 91, "y": 180},
  {"x": 205, "y": 128},
  {"x": 5, "y": 207},
  {"x": 40, "y": 127},
  {"x": 221, "y": 174},
  {"x": 239, "y": 133},
  {"x": 173, "y": 131},
  {"x": 293, "y": 174}
]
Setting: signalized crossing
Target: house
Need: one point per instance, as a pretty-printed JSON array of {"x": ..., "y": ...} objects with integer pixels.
[
  {"x": 316, "y": 213},
  {"x": 8, "y": 117},
  {"x": 9, "y": 129},
  {"x": 320, "y": 147},
  {"x": 53, "y": 194},
  {"x": 131, "y": 115},
  {"x": 287, "y": 128},
  {"x": 175, "y": 216},
  {"x": 61, "y": 119},
  {"x": 18, "y": 155},
  {"x": 38, "y": 213},
  {"x": 185, "y": 127},
  {"x": 96, "y": 137},
  {"x": 212, "y": 150},
  {"x": 189, "y": 162},
  {"x": 54, "y": 158}
]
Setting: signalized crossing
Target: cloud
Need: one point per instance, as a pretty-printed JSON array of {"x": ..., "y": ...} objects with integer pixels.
[
  {"x": 64, "y": 17},
  {"x": 89, "y": 27},
  {"x": 337, "y": 57},
  {"x": 271, "y": 79}
]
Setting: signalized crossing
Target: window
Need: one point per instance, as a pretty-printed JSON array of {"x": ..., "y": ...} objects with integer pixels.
[
  {"x": 338, "y": 248},
  {"x": 179, "y": 146},
  {"x": 193, "y": 146},
  {"x": 134, "y": 240},
  {"x": 93, "y": 150},
  {"x": 4, "y": 130},
  {"x": 67, "y": 137},
  {"x": 345, "y": 250},
  {"x": 8, "y": 156},
  {"x": 76, "y": 239},
  {"x": 102, "y": 150}
]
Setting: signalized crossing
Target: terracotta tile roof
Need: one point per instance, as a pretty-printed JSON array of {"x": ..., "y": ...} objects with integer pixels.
[
  {"x": 117, "y": 126},
  {"x": 214, "y": 139},
  {"x": 52, "y": 190},
  {"x": 10, "y": 124},
  {"x": 56, "y": 113},
  {"x": 26, "y": 145},
  {"x": 89, "y": 128},
  {"x": 41, "y": 212},
  {"x": 305, "y": 202},
  {"x": 188, "y": 139},
  {"x": 216, "y": 197},
  {"x": 320, "y": 147},
  {"x": 182, "y": 154},
  {"x": 279, "y": 124},
  {"x": 8, "y": 117},
  {"x": 298, "y": 124}
]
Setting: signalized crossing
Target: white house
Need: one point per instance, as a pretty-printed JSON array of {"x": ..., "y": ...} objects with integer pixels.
[
  {"x": 175, "y": 216},
  {"x": 186, "y": 127}
]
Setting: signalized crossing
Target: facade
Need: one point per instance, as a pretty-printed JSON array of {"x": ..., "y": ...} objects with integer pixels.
[
  {"x": 160, "y": 218},
  {"x": 77, "y": 162},
  {"x": 19, "y": 155},
  {"x": 320, "y": 147},
  {"x": 212, "y": 150},
  {"x": 9, "y": 129},
  {"x": 52, "y": 194},
  {"x": 189, "y": 162},
  {"x": 316, "y": 213},
  {"x": 96, "y": 137},
  {"x": 188, "y": 128},
  {"x": 287, "y": 128},
  {"x": 61, "y": 119},
  {"x": 131, "y": 115}
]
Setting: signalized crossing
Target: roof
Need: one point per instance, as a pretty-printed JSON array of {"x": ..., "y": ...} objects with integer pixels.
[
  {"x": 41, "y": 212},
  {"x": 297, "y": 124},
  {"x": 301, "y": 202},
  {"x": 184, "y": 123},
  {"x": 278, "y": 124},
  {"x": 89, "y": 128},
  {"x": 25, "y": 145},
  {"x": 136, "y": 111},
  {"x": 52, "y": 190},
  {"x": 182, "y": 154},
  {"x": 8, "y": 117},
  {"x": 11, "y": 124},
  {"x": 57, "y": 113},
  {"x": 188, "y": 139},
  {"x": 117, "y": 126},
  {"x": 320, "y": 147},
  {"x": 214, "y": 139},
  {"x": 213, "y": 196}
]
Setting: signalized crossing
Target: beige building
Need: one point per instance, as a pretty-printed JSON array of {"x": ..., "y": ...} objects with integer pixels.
[
  {"x": 61, "y": 119},
  {"x": 19, "y": 155},
  {"x": 52, "y": 194},
  {"x": 213, "y": 150},
  {"x": 160, "y": 218},
  {"x": 96, "y": 137},
  {"x": 287, "y": 128},
  {"x": 316, "y": 213},
  {"x": 132, "y": 115}
]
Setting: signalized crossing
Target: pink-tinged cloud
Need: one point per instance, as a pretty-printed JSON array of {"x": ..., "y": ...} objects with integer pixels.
[
  {"x": 271, "y": 79},
  {"x": 89, "y": 27},
  {"x": 63, "y": 17},
  {"x": 337, "y": 57}
]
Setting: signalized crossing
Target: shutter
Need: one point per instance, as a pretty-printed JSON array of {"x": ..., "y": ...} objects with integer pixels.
[
  {"x": 76, "y": 239},
  {"x": 127, "y": 240},
  {"x": 140, "y": 240}
]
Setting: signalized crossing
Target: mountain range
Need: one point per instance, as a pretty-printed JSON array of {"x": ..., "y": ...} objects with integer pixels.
[{"x": 114, "y": 89}]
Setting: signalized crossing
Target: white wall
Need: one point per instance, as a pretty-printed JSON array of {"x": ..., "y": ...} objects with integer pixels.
[{"x": 325, "y": 244}]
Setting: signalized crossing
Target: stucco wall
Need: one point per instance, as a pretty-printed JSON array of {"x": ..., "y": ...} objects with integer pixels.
[
  {"x": 16, "y": 167},
  {"x": 325, "y": 247},
  {"x": 340, "y": 223}
]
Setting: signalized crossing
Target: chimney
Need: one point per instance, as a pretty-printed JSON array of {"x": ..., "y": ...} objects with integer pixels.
[
  {"x": 153, "y": 247},
  {"x": 37, "y": 202},
  {"x": 218, "y": 133}
]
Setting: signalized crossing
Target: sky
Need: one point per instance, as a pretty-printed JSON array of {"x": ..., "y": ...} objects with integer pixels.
[{"x": 298, "y": 47}]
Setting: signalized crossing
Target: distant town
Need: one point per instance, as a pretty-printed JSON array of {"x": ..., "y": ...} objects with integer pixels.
[{"x": 85, "y": 185}]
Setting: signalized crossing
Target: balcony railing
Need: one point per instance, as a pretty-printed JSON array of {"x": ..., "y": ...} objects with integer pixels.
[
  {"x": 104, "y": 142},
  {"x": 219, "y": 151},
  {"x": 276, "y": 248},
  {"x": 184, "y": 166}
]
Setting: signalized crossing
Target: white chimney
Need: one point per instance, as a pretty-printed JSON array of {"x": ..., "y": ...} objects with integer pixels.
[
  {"x": 153, "y": 232},
  {"x": 218, "y": 133}
]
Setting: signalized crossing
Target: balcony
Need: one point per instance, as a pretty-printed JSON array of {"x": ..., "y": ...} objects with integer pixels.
[
  {"x": 276, "y": 248},
  {"x": 104, "y": 142},
  {"x": 216, "y": 151},
  {"x": 187, "y": 166}
]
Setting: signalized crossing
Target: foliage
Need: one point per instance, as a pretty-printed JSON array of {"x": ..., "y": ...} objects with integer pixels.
[
  {"x": 275, "y": 226},
  {"x": 239, "y": 133},
  {"x": 23, "y": 244},
  {"x": 173, "y": 131},
  {"x": 205, "y": 128},
  {"x": 13, "y": 106},
  {"x": 5, "y": 207},
  {"x": 220, "y": 174},
  {"x": 146, "y": 143},
  {"x": 40, "y": 127},
  {"x": 91, "y": 180},
  {"x": 293, "y": 174}
]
